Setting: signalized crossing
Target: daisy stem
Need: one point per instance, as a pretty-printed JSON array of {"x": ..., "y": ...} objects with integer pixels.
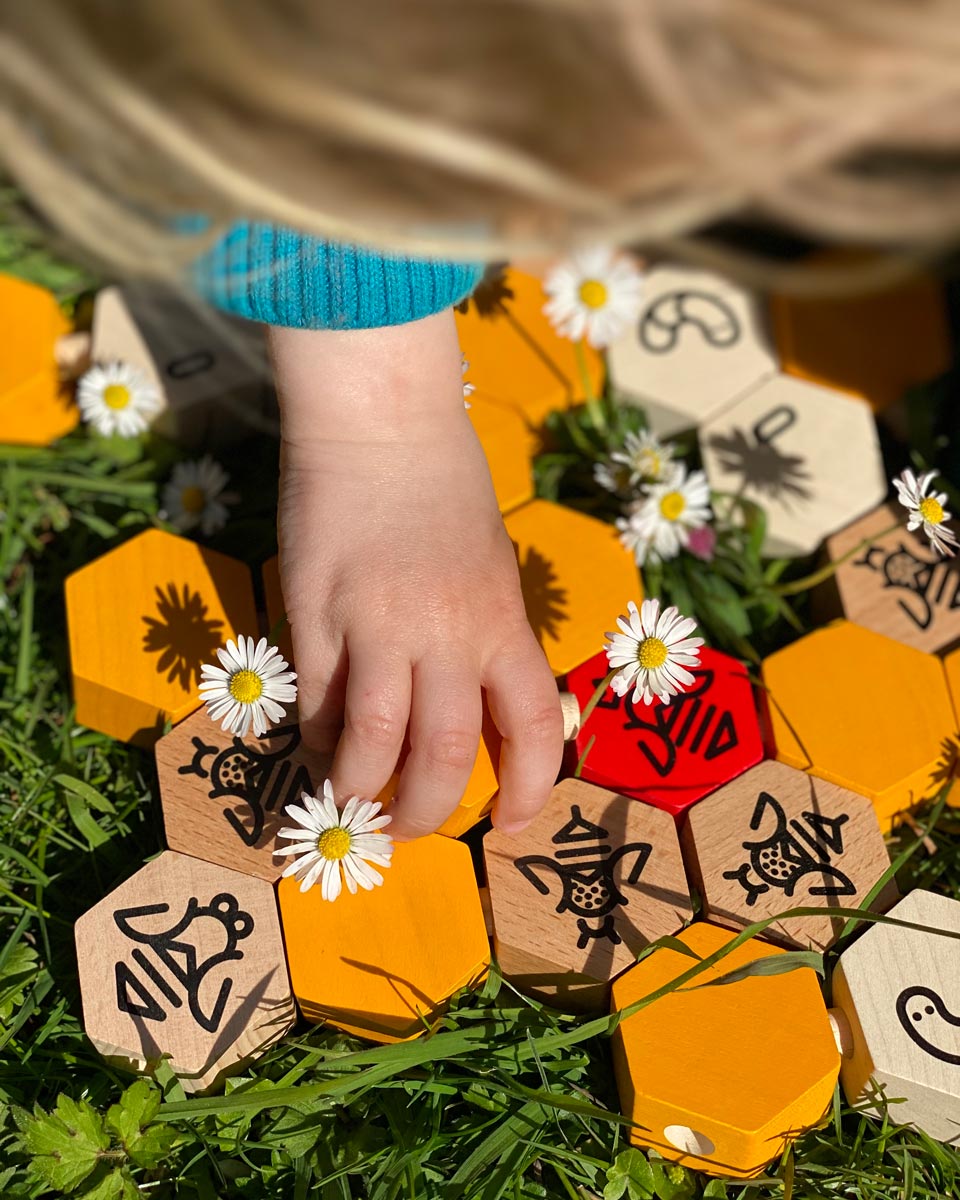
[
  {"x": 816, "y": 577},
  {"x": 593, "y": 404},
  {"x": 597, "y": 696}
]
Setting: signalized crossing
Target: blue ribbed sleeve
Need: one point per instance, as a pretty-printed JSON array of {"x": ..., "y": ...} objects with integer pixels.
[{"x": 282, "y": 277}]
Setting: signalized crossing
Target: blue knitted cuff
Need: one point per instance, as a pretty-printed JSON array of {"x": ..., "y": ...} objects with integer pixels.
[{"x": 281, "y": 277}]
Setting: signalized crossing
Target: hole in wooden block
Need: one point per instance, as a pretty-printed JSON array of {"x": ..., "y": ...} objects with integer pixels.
[{"x": 688, "y": 1140}]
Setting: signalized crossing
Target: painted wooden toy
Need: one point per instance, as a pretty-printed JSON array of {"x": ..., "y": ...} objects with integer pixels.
[
  {"x": 897, "y": 586},
  {"x": 575, "y": 576},
  {"x": 670, "y": 755},
  {"x": 898, "y": 995},
  {"x": 698, "y": 345},
  {"x": 809, "y": 456},
  {"x": 516, "y": 359},
  {"x": 874, "y": 345},
  {"x": 204, "y": 365},
  {"x": 862, "y": 711},
  {"x": 142, "y": 621},
  {"x": 503, "y": 436},
  {"x": 704, "y": 1072},
  {"x": 383, "y": 964},
  {"x": 184, "y": 959},
  {"x": 581, "y": 891},
  {"x": 35, "y": 408},
  {"x": 777, "y": 838}
]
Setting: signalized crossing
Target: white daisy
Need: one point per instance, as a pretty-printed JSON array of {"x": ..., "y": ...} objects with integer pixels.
[
  {"x": 250, "y": 688},
  {"x": 653, "y": 650},
  {"x": 194, "y": 496},
  {"x": 927, "y": 510},
  {"x": 648, "y": 459},
  {"x": 468, "y": 388},
  {"x": 333, "y": 847},
  {"x": 658, "y": 525},
  {"x": 612, "y": 476},
  {"x": 115, "y": 397},
  {"x": 595, "y": 294}
]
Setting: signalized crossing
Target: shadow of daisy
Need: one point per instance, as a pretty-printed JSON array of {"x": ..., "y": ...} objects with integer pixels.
[
  {"x": 182, "y": 634},
  {"x": 758, "y": 464},
  {"x": 545, "y": 602}
]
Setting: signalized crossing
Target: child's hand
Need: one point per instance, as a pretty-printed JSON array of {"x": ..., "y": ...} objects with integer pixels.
[{"x": 400, "y": 582}]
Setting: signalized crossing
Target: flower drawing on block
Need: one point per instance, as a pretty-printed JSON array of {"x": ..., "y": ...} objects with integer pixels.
[
  {"x": 332, "y": 847},
  {"x": 652, "y": 651},
  {"x": 194, "y": 496},
  {"x": 250, "y": 688},
  {"x": 927, "y": 509},
  {"x": 594, "y": 294},
  {"x": 658, "y": 525},
  {"x": 116, "y": 398}
]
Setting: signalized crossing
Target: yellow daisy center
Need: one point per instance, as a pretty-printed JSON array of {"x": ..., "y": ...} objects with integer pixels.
[
  {"x": 931, "y": 510},
  {"x": 334, "y": 843},
  {"x": 116, "y": 395},
  {"x": 672, "y": 505},
  {"x": 193, "y": 499},
  {"x": 245, "y": 686},
  {"x": 651, "y": 653},
  {"x": 593, "y": 293},
  {"x": 650, "y": 463}
]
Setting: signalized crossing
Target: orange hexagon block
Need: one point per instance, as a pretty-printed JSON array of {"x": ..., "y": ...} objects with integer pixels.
[
  {"x": 515, "y": 356},
  {"x": 576, "y": 578},
  {"x": 383, "y": 964},
  {"x": 579, "y": 893},
  {"x": 35, "y": 409},
  {"x": 184, "y": 959},
  {"x": 142, "y": 621},
  {"x": 862, "y": 711},
  {"x": 503, "y": 436},
  {"x": 706, "y": 1073}
]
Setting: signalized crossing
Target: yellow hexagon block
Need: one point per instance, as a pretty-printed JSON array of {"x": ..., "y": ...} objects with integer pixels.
[
  {"x": 383, "y": 964},
  {"x": 863, "y": 711},
  {"x": 503, "y": 436},
  {"x": 142, "y": 621},
  {"x": 576, "y": 578},
  {"x": 35, "y": 409},
  {"x": 515, "y": 356},
  {"x": 706, "y": 1073}
]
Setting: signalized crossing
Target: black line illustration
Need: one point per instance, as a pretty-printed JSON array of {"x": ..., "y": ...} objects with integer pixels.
[
  {"x": 924, "y": 584},
  {"x": 914, "y": 1006},
  {"x": 662, "y": 325}
]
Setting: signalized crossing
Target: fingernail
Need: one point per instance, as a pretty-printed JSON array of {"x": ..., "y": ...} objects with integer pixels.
[{"x": 511, "y": 828}]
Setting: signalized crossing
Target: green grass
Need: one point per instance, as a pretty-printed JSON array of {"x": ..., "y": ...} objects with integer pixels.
[{"x": 506, "y": 1099}]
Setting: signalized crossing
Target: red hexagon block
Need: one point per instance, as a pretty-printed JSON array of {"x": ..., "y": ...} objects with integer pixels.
[{"x": 671, "y": 755}]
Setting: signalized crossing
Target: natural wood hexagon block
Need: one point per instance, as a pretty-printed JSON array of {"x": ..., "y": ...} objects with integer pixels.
[
  {"x": 862, "y": 711},
  {"x": 670, "y": 755},
  {"x": 581, "y": 891},
  {"x": 899, "y": 585},
  {"x": 777, "y": 838},
  {"x": 706, "y": 1072},
  {"x": 383, "y": 964},
  {"x": 184, "y": 959},
  {"x": 576, "y": 577},
  {"x": 503, "y": 436},
  {"x": 699, "y": 344},
  {"x": 142, "y": 620},
  {"x": 515, "y": 356},
  {"x": 809, "y": 456},
  {"x": 898, "y": 991},
  {"x": 35, "y": 408},
  {"x": 874, "y": 345}
]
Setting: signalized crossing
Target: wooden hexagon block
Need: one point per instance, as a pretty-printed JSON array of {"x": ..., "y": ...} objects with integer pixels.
[
  {"x": 515, "y": 356},
  {"x": 809, "y": 456},
  {"x": 898, "y": 992},
  {"x": 899, "y": 585},
  {"x": 874, "y": 345},
  {"x": 581, "y": 891},
  {"x": 185, "y": 959},
  {"x": 699, "y": 344},
  {"x": 204, "y": 365},
  {"x": 777, "y": 838},
  {"x": 705, "y": 1073},
  {"x": 576, "y": 577},
  {"x": 35, "y": 408},
  {"x": 142, "y": 620},
  {"x": 670, "y": 755},
  {"x": 383, "y": 964},
  {"x": 503, "y": 436},
  {"x": 862, "y": 711}
]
